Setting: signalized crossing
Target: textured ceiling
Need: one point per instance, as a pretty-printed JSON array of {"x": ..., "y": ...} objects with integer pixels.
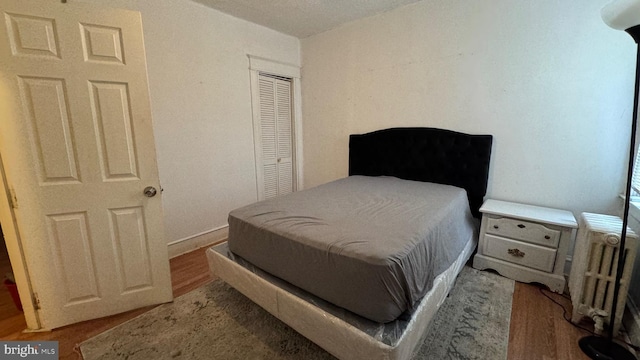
[{"x": 303, "y": 18}]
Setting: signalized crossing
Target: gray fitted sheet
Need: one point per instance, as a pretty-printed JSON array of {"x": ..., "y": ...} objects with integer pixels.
[{"x": 371, "y": 245}]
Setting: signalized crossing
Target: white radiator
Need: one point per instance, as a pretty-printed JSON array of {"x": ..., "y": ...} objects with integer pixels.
[{"x": 594, "y": 267}]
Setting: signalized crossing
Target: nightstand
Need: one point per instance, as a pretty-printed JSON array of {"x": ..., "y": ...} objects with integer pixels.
[{"x": 524, "y": 242}]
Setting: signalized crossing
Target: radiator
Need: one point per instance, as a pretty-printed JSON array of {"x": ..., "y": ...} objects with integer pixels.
[{"x": 594, "y": 267}]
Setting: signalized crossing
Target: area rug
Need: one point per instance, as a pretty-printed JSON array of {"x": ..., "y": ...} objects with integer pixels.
[{"x": 217, "y": 322}]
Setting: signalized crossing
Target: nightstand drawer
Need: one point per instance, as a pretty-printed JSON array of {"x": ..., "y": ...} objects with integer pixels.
[
  {"x": 517, "y": 252},
  {"x": 524, "y": 230}
]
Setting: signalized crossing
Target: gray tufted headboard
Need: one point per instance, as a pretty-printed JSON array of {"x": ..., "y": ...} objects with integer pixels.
[{"x": 425, "y": 154}]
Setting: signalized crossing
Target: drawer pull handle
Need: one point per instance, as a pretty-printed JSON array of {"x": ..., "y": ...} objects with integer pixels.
[
  {"x": 515, "y": 252},
  {"x": 521, "y": 226},
  {"x": 547, "y": 237},
  {"x": 496, "y": 226}
]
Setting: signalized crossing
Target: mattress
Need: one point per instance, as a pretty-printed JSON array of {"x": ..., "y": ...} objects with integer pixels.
[{"x": 371, "y": 245}]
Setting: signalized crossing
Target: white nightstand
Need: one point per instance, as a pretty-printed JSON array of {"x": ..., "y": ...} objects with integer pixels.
[{"x": 524, "y": 242}]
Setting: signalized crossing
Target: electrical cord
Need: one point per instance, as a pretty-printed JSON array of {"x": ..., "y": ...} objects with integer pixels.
[{"x": 567, "y": 319}]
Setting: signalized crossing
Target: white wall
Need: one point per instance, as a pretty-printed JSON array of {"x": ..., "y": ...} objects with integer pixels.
[
  {"x": 548, "y": 79},
  {"x": 201, "y": 107}
]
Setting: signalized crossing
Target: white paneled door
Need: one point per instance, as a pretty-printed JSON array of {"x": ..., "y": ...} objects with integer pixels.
[
  {"x": 276, "y": 136},
  {"x": 77, "y": 143}
]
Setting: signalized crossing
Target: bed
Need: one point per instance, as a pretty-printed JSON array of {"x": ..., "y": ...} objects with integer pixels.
[{"x": 360, "y": 265}]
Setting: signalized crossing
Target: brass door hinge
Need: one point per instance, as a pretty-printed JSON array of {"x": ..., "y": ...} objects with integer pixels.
[
  {"x": 13, "y": 199},
  {"x": 36, "y": 301}
]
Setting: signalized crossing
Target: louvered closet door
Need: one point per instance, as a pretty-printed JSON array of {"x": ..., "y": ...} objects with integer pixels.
[{"x": 275, "y": 123}]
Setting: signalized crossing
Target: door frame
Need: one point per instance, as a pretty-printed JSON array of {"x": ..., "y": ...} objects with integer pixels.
[
  {"x": 259, "y": 65},
  {"x": 16, "y": 252}
]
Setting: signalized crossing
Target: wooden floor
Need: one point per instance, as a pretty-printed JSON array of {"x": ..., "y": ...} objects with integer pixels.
[
  {"x": 188, "y": 272},
  {"x": 7, "y": 307},
  {"x": 538, "y": 330}
]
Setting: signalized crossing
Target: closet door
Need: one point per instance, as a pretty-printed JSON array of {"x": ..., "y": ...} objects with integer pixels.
[{"x": 276, "y": 137}]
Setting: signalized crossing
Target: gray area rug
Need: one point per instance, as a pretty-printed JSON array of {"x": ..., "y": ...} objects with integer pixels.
[
  {"x": 473, "y": 323},
  {"x": 217, "y": 322}
]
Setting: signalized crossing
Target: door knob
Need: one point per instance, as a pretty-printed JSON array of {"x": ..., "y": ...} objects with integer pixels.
[{"x": 150, "y": 191}]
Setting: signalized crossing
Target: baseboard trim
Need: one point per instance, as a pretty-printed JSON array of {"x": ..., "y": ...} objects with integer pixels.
[
  {"x": 631, "y": 321},
  {"x": 193, "y": 242}
]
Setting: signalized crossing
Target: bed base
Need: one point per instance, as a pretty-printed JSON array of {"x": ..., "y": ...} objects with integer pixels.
[{"x": 337, "y": 336}]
